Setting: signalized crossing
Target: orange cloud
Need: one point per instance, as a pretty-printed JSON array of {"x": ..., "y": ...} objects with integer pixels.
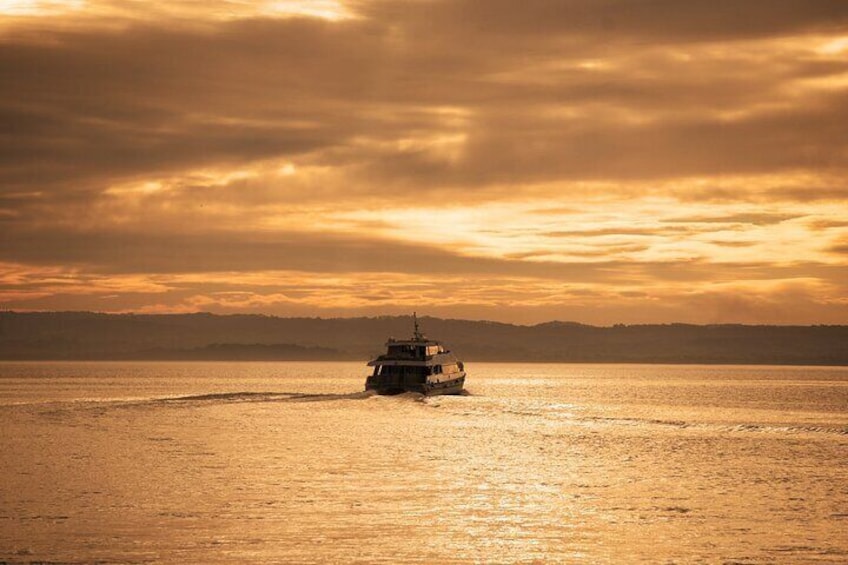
[{"x": 565, "y": 159}]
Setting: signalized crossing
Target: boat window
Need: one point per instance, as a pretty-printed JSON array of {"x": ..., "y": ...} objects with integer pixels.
[
  {"x": 404, "y": 350},
  {"x": 403, "y": 371}
]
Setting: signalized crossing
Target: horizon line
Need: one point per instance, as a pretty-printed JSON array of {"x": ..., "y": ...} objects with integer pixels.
[{"x": 573, "y": 323}]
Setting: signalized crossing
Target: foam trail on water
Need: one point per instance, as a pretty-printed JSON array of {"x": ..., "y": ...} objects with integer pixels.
[
  {"x": 245, "y": 396},
  {"x": 196, "y": 399}
]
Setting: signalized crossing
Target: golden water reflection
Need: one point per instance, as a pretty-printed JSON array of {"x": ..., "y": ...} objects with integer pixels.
[{"x": 291, "y": 463}]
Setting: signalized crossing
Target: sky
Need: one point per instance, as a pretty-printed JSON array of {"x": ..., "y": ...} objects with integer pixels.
[{"x": 598, "y": 161}]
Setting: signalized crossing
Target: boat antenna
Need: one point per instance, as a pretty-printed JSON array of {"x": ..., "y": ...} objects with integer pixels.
[{"x": 417, "y": 334}]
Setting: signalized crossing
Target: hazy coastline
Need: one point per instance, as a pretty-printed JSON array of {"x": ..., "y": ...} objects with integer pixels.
[{"x": 209, "y": 337}]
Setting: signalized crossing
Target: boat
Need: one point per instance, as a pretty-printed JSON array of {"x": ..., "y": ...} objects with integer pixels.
[{"x": 416, "y": 365}]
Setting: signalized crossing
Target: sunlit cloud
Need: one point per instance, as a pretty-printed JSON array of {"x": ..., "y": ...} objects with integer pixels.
[
  {"x": 222, "y": 10},
  {"x": 327, "y": 9},
  {"x": 835, "y": 46},
  {"x": 39, "y": 7},
  {"x": 302, "y": 293},
  {"x": 570, "y": 159}
]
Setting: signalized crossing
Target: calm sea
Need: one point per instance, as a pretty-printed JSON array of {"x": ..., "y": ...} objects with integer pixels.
[{"x": 292, "y": 463}]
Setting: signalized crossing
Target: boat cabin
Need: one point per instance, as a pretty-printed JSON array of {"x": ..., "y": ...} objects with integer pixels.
[{"x": 412, "y": 349}]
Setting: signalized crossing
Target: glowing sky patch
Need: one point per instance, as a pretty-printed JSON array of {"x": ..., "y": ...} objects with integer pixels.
[
  {"x": 39, "y": 7},
  {"x": 326, "y": 9}
]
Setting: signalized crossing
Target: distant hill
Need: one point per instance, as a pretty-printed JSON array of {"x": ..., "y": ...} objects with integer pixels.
[{"x": 93, "y": 336}]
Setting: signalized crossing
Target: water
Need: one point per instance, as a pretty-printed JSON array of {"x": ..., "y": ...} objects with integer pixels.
[{"x": 292, "y": 463}]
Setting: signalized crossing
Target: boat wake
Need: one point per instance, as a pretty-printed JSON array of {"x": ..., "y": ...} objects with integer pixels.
[
  {"x": 215, "y": 398},
  {"x": 741, "y": 427},
  {"x": 475, "y": 406},
  {"x": 265, "y": 397},
  {"x": 575, "y": 415}
]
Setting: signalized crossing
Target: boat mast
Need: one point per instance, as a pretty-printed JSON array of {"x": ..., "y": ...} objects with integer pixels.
[{"x": 416, "y": 334}]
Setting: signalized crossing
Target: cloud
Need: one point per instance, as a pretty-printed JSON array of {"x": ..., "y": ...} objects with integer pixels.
[
  {"x": 753, "y": 218},
  {"x": 123, "y": 252},
  {"x": 91, "y": 105},
  {"x": 839, "y": 248},
  {"x": 607, "y": 144},
  {"x": 657, "y": 21}
]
